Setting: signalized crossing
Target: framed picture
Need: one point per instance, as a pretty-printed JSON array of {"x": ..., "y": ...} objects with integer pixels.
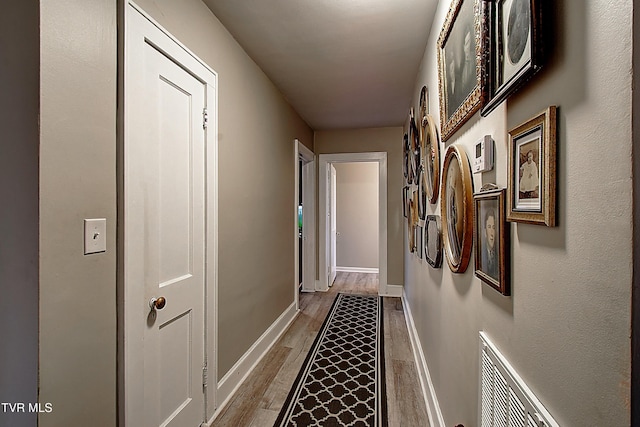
[
  {"x": 515, "y": 52},
  {"x": 531, "y": 184},
  {"x": 430, "y": 148},
  {"x": 491, "y": 237},
  {"x": 422, "y": 194},
  {"x": 405, "y": 201},
  {"x": 405, "y": 163},
  {"x": 411, "y": 232},
  {"x": 433, "y": 241},
  {"x": 419, "y": 247},
  {"x": 461, "y": 75},
  {"x": 457, "y": 208}
]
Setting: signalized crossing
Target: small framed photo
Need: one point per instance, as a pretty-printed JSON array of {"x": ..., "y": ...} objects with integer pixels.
[
  {"x": 405, "y": 201},
  {"x": 422, "y": 194},
  {"x": 405, "y": 163},
  {"x": 433, "y": 241},
  {"x": 461, "y": 68},
  {"x": 492, "y": 237},
  {"x": 457, "y": 208},
  {"x": 515, "y": 52},
  {"x": 531, "y": 184},
  {"x": 419, "y": 247}
]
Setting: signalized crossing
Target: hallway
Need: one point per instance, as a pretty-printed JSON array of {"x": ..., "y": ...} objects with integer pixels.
[{"x": 259, "y": 399}]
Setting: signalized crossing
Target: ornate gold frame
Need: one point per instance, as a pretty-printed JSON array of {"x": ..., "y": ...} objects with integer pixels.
[
  {"x": 544, "y": 122},
  {"x": 473, "y": 100},
  {"x": 457, "y": 259}
]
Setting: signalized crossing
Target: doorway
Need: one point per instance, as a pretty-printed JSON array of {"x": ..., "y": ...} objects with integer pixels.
[
  {"x": 324, "y": 167},
  {"x": 167, "y": 229},
  {"x": 305, "y": 222}
]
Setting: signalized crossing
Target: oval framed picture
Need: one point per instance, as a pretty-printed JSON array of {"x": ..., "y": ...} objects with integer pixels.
[
  {"x": 457, "y": 208},
  {"x": 431, "y": 155}
]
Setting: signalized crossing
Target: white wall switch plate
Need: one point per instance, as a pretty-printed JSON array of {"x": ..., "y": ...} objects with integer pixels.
[{"x": 95, "y": 235}]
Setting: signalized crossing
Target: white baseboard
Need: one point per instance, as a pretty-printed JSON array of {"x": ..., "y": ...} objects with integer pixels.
[
  {"x": 232, "y": 380},
  {"x": 391, "y": 291},
  {"x": 430, "y": 398},
  {"x": 358, "y": 270}
]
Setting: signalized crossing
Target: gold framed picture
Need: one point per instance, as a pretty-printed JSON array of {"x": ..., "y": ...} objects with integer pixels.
[
  {"x": 491, "y": 240},
  {"x": 430, "y": 148},
  {"x": 531, "y": 184},
  {"x": 461, "y": 46},
  {"x": 457, "y": 208}
]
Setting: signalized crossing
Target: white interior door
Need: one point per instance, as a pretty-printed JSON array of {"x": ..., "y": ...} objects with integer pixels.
[
  {"x": 332, "y": 224},
  {"x": 165, "y": 173}
]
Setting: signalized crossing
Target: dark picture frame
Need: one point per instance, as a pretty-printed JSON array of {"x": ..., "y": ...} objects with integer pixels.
[
  {"x": 531, "y": 179},
  {"x": 457, "y": 208},
  {"x": 433, "y": 241},
  {"x": 491, "y": 237},
  {"x": 461, "y": 67},
  {"x": 419, "y": 246},
  {"x": 405, "y": 201},
  {"x": 515, "y": 47},
  {"x": 405, "y": 152},
  {"x": 422, "y": 193},
  {"x": 430, "y": 148}
]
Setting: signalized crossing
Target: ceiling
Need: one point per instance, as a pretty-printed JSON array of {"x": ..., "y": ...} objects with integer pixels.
[{"x": 340, "y": 63}]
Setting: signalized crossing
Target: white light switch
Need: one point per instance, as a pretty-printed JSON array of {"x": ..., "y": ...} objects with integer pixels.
[{"x": 95, "y": 235}]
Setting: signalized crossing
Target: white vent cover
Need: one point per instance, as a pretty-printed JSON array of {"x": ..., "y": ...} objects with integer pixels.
[{"x": 505, "y": 400}]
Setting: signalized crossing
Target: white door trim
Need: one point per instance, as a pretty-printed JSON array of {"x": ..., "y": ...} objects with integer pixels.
[
  {"x": 129, "y": 377},
  {"x": 301, "y": 152},
  {"x": 323, "y": 165}
]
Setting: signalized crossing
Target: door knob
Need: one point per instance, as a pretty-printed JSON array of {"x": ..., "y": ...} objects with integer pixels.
[{"x": 157, "y": 303}]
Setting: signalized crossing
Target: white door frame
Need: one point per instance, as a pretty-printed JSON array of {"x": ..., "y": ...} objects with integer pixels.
[
  {"x": 301, "y": 152},
  {"x": 129, "y": 376},
  {"x": 324, "y": 160}
]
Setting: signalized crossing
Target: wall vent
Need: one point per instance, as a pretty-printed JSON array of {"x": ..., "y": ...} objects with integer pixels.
[{"x": 505, "y": 400}]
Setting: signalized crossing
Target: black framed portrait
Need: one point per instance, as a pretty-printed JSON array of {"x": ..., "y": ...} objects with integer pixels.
[
  {"x": 515, "y": 47},
  {"x": 433, "y": 241},
  {"x": 491, "y": 237}
]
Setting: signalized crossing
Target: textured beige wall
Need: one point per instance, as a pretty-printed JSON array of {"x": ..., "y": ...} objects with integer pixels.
[
  {"x": 19, "y": 108},
  {"x": 256, "y": 186},
  {"x": 357, "y": 215},
  {"x": 565, "y": 328},
  {"x": 387, "y": 140},
  {"x": 77, "y": 181}
]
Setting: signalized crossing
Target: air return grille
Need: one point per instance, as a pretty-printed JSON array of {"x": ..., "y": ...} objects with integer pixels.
[{"x": 505, "y": 400}]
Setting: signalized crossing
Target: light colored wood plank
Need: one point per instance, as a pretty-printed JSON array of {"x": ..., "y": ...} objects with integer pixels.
[{"x": 260, "y": 398}]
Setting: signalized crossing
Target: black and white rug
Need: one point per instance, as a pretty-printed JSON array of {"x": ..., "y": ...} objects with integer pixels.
[{"x": 341, "y": 383}]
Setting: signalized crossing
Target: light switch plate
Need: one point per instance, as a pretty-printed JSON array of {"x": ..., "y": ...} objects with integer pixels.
[{"x": 95, "y": 235}]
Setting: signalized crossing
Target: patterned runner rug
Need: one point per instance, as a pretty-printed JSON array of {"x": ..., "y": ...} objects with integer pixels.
[{"x": 341, "y": 383}]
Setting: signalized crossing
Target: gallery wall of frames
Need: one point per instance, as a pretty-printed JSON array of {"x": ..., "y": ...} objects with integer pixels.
[{"x": 486, "y": 52}]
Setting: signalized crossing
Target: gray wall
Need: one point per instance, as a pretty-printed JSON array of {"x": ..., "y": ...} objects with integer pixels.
[
  {"x": 256, "y": 186},
  {"x": 565, "y": 328},
  {"x": 19, "y": 213},
  {"x": 357, "y": 215},
  {"x": 77, "y": 181},
  {"x": 387, "y": 140}
]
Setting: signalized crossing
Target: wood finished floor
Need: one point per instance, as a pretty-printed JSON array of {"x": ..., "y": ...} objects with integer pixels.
[{"x": 260, "y": 398}]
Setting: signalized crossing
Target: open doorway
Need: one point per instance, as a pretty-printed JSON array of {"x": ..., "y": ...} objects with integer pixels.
[
  {"x": 304, "y": 227},
  {"x": 325, "y": 161}
]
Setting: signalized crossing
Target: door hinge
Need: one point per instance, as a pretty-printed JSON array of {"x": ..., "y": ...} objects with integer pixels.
[
  {"x": 205, "y": 118},
  {"x": 205, "y": 377}
]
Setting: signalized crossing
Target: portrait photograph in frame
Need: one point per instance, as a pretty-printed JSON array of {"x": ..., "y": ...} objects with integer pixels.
[
  {"x": 405, "y": 152},
  {"x": 491, "y": 240},
  {"x": 405, "y": 201},
  {"x": 515, "y": 47},
  {"x": 433, "y": 241},
  {"x": 422, "y": 194},
  {"x": 457, "y": 208},
  {"x": 430, "y": 148},
  {"x": 531, "y": 184},
  {"x": 419, "y": 247},
  {"x": 461, "y": 75}
]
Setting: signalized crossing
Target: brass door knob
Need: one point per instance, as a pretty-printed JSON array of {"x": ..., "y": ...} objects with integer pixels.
[{"x": 157, "y": 303}]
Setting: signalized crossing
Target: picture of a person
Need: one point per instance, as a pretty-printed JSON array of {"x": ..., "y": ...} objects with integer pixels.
[
  {"x": 489, "y": 259},
  {"x": 529, "y": 181}
]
